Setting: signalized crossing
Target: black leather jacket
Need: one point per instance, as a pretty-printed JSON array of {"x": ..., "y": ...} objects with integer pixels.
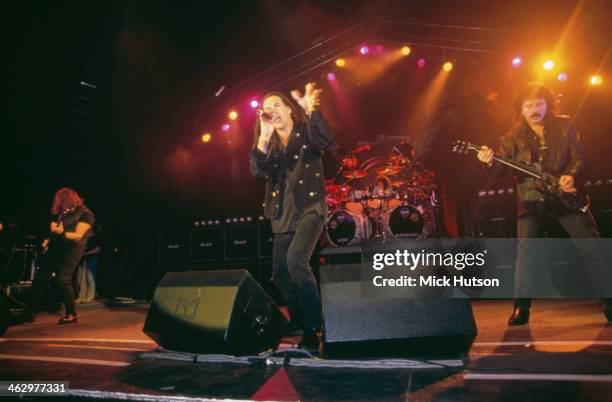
[
  {"x": 304, "y": 167},
  {"x": 563, "y": 156}
]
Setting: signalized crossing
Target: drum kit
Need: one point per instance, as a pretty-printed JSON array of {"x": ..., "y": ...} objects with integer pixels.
[{"x": 382, "y": 198}]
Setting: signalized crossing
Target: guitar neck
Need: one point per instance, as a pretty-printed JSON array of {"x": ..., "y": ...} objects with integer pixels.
[
  {"x": 528, "y": 170},
  {"x": 522, "y": 168}
]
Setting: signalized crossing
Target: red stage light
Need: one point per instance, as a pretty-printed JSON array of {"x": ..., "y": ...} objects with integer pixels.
[
  {"x": 364, "y": 50},
  {"x": 225, "y": 127},
  {"x": 516, "y": 62},
  {"x": 331, "y": 77},
  {"x": 254, "y": 104},
  {"x": 421, "y": 63}
]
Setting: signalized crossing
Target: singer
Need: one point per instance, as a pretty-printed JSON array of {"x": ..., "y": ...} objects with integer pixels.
[{"x": 289, "y": 140}]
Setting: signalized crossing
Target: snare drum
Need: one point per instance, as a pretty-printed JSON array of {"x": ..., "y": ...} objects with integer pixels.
[{"x": 345, "y": 228}]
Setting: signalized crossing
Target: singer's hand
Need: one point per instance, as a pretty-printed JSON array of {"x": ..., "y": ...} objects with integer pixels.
[
  {"x": 265, "y": 132},
  {"x": 310, "y": 100}
]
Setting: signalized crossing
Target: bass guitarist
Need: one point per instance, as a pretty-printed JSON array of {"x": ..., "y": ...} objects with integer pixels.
[
  {"x": 545, "y": 139},
  {"x": 70, "y": 228}
]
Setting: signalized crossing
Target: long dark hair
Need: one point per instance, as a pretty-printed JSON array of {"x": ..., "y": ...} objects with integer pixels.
[
  {"x": 535, "y": 90},
  {"x": 297, "y": 113},
  {"x": 65, "y": 198}
]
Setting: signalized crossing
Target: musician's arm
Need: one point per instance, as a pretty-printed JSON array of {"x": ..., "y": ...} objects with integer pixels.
[
  {"x": 81, "y": 230},
  {"x": 505, "y": 150},
  {"x": 577, "y": 162},
  {"x": 320, "y": 135}
]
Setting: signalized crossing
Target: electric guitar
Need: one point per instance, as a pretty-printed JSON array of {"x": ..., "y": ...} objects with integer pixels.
[
  {"x": 53, "y": 238},
  {"x": 546, "y": 182}
]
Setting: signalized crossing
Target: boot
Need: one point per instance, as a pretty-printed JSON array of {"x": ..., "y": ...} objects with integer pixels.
[{"x": 520, "y": 314}]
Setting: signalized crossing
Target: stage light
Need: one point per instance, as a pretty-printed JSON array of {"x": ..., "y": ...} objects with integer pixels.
[
  {"x": 510, "y": 190},
  {"x": 448, "y": 66},
  {"x": 331, "y": 77},
  {"x": 340, "y": 63},
  {"x": 501, "y": 191},
  {"x": 225, "y": 127},
  {"x": 548, "y": 65},
  {"x": 595, "y": 80},
  {"x": 233, "y": 115},
  {"x": 562, "y": 77},
  {"x": 217, "y": 222},
  {"x": 421, "y": 63},
  {"x": 249, "y": 219},
  {"x": 261, "y": 218},
  {"x": 254, "y": 104},
  {"x": 206, "y": 137},
  {"x": 364, "y": 50},
  {"x": 196, "y": 223},
  {"x": 491, "y": 192},
  {"x": 235, "y": 220},
  {"x": 406, "y": 50},
  {"x": 516, "y": 62},
  {"x": 210, "y": 223},
  {"x": 228, "y": 220},
  {"x": 482, "y": 193}
]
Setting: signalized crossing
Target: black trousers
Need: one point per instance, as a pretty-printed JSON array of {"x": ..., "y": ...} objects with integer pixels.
[
  {"x": 63, "y": 260},
  {"x": 292, "y": 274},
  {"x": 578, "y": 225}
]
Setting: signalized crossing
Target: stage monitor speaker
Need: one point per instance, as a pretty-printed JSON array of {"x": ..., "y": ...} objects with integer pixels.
[
  {"x": 358, "y": 326},
  {"x": 207, "y": 244},
  {"x": 241, "y": 242},
  {"x": 173, "y": 246},
  {"x": 213, "y": 312}
]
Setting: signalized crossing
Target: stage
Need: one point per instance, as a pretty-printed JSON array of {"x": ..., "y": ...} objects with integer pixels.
[{"x": 563, "y": 355}]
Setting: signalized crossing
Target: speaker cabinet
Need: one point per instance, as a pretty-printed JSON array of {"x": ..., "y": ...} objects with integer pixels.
[
  {"x": 358, "y": 326},
  {"x": 207, "y": 244},
  {"x": 213, "y": 312},
  {"x": 173, "y": 246},
  {"x": 241, "y": 242}
]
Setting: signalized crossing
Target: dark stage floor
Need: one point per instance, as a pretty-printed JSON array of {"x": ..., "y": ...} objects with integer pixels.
[{"x": 564, "y": 355}]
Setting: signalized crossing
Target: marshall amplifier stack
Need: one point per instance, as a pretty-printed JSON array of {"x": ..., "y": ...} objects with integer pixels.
[{"x": 245, "y": 246}]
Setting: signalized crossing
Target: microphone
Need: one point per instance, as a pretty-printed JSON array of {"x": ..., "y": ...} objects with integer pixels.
[
  {"x": 264, "y": 115},
  {"x": 362, "y": 148}
]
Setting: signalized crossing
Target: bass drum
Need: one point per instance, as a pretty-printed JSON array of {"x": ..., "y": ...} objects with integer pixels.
[
  {"x": 345, "y": 228},
  {"x": 405, "y": 221}
]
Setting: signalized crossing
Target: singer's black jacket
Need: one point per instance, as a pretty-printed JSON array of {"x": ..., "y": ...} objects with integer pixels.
[
  {"x": 302, "y": 164},
  {"x": 563, "y": 155}
]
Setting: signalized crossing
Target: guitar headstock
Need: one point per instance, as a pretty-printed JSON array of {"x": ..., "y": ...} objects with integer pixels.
[{"x": 462, "y": 147}]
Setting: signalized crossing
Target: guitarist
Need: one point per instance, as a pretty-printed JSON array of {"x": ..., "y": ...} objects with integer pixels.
[
  {"x": 70, "y": 229},
  {"x": 544, "y": 138}
]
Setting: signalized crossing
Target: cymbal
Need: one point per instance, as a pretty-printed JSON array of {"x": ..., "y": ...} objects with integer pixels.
[
  {"x": 388, "y": 171},
  {"x": 355, "y": 174}
]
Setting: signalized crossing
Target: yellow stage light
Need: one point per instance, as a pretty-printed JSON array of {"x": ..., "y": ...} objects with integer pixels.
[
  {"x": 340, "y": 62},
  {"x": 595, "y": 80},
  {"x": 233, "y": 115},
  {"x": 447, "y": 66},
  {"x": 206, "y": 137},
  {"x": 406, "y": 50},
  {"x": 548, "y": 65}
]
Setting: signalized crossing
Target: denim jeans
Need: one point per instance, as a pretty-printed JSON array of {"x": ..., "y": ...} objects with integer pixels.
[{"x": 292, "y": 274}]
